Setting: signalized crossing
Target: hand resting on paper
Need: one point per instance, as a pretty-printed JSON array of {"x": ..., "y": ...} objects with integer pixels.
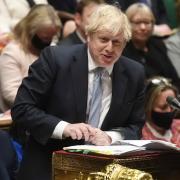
[
  {"x": 88, "y": 133},
  {"x": 100, "y": 138},
  {"x": 79, "y": 131}
]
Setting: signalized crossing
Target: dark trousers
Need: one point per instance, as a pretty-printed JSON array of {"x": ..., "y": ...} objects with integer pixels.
[{"x": 8, "y": 158}]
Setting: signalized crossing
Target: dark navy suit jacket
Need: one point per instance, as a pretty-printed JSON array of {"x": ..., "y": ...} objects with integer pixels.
[
  {"x": 70, "y": 40},
  {"x": 57, "y": 88}
]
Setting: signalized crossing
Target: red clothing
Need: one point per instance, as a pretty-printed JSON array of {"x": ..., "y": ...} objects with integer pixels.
[{"x": 148, "y": 134}]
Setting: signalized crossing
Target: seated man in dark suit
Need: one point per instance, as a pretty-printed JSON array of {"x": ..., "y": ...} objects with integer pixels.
[
  {"x": 83, "y": 11},
  {"x": 84, "y": 94}
]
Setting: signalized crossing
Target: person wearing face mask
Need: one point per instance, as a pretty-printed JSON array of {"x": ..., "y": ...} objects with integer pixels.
[
  {"x": 38, "y": 43},
  {"x": 160, "y": 117},
  {"x": 31, "y": 35}
]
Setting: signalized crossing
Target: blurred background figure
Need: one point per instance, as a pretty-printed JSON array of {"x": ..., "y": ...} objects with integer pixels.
[
  {"x": 68, "y": 28},
  {"x": 173, "y": 43},
  {"x": 161, "y": 27},
  {"x": 65, "y": 8},
  {"x": 145, "y": 48},
  {"x": 32, "y": 34},
  {"x": 11, "y": 12},
  {"x": 5, "y": 38},
  {"x": 77, "y": 34},
  {"x": 170, "y": 6},
  {"x": 160, "y": 123}
]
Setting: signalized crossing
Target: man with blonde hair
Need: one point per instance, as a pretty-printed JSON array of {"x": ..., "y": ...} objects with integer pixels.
[{"x": 88, "y": 93}]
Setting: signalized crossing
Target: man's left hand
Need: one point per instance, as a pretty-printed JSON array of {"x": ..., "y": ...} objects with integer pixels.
[{"x": 100, "y": 138}]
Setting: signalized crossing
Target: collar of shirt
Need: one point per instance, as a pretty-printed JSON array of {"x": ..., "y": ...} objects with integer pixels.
[
  {"x": 80, "y": 37},
  {"x": 92, "y": 65}
]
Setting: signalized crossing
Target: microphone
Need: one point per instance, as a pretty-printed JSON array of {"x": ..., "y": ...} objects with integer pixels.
[{"x": 173, "y": 102}]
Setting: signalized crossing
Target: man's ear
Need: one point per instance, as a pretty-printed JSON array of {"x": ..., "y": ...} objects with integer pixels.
[{"x": 77, "y": 19}]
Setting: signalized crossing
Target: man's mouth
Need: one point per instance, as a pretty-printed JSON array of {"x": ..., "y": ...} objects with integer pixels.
[{"x": 107, "y": 56}]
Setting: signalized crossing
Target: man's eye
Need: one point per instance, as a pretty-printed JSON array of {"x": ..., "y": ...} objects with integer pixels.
[
  {"x": 117, "y": 43},
  {"x": 103, "y": 39}
]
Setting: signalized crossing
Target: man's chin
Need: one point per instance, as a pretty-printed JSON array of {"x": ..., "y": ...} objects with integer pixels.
[{"x": 106, "y": 63}]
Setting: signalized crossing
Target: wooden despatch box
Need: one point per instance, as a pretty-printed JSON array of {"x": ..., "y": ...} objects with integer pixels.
[{"x": 76, "y": 166}]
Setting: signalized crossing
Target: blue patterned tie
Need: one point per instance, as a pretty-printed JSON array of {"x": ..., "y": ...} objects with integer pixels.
[{"x": 96, "y": 99}]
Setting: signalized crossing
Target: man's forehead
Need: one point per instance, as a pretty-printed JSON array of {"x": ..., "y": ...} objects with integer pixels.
[{"x": 110, "y": 34}]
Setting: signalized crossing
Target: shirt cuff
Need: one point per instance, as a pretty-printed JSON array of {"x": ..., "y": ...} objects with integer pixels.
[
  {"x": 59, "y": 129},
  {"x": 115, "y": 136}
]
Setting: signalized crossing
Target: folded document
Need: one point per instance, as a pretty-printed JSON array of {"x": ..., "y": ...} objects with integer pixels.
[
  {"x": 124, "y": 147},
  {"x": 107, "y": 150},
  {"x": 149, "y": 144}
]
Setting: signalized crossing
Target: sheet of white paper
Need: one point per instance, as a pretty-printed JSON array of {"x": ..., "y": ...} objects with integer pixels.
[
  {"x": 108, "y": 150},
  {"x": 149, "y": 144},
  {"x": 124, "y": 147}
]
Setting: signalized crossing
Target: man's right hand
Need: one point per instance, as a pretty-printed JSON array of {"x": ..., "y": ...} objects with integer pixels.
[{"x": 79, "y": 131}]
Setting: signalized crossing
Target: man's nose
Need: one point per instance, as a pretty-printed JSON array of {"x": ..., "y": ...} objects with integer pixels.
[{"x": 109, "y": 46}]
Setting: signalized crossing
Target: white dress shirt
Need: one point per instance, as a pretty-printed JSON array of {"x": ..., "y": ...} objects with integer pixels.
[{"x": 106, "y": 100}]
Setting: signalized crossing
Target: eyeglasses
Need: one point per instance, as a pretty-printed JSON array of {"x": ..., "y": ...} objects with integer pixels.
[
  {"x": 138, "y": 23},
  {"x": 157, "y": 82},
  {"x": 160, "y": 80}
]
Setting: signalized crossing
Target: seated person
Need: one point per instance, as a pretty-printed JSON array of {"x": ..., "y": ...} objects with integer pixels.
[
  {"x": 31, "y": 35},
  {"x": 11, "y": 12},
  {"x": 146, "y": 49},
  {"x": 160, "y": 123},
  {"x": 8, "y": 158},
  {"x": 161, "y": 27},
  {"x": 83, "y": 11}
]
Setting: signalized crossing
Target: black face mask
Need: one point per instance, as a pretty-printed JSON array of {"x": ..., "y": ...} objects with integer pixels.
[
  {"x": 38, "y": 43},
  {"x": 163, "y": 120}
]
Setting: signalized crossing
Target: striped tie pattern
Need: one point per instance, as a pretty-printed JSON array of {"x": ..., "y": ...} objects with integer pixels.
[{"x": 96, "y": 99}]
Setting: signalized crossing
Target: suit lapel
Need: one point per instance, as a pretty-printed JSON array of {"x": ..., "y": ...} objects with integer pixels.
[
  {"x": 79, "y": 71},
  {"x": 119, "y": 85},
  {"x": 119, "y": 81},
  {"x": 76, "y": 39}
]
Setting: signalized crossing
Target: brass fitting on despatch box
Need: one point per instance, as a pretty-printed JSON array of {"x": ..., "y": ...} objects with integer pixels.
[{"x": 117, "y": 172}]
